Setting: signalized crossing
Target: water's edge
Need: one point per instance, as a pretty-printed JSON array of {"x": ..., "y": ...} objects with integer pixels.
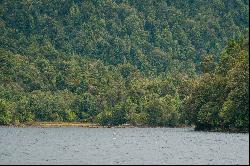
[
  {"x": 88, "y": 125},
  {"x": 92, "y": 125}
]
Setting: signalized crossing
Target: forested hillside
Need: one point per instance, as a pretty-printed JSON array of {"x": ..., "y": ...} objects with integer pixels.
[{"x": 150, "y": 62}]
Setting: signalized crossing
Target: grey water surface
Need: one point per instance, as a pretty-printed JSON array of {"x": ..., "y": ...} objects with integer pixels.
[{"x": 160, "y": 146}]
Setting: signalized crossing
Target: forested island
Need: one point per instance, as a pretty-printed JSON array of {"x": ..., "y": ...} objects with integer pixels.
[{"x": 113, "y": 62}]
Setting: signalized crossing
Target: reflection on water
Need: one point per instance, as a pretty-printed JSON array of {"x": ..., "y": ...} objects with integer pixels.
[{"x": 120, "y": 146}]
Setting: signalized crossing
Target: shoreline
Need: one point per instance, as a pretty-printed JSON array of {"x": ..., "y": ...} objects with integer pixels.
[
  {"x": 230, "y": 131},
  {"x": 92, "y": 125},
  {"x": 85, "y": 125}
]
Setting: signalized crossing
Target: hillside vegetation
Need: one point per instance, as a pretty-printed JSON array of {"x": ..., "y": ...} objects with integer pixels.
[{"x": 149, "y": 62}]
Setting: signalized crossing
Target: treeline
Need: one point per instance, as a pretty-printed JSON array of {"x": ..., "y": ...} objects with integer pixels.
[
  {"x": 219, "y": 98},
  {"x": 79, "y": 89},
  {"x": 154, "y": 62}
]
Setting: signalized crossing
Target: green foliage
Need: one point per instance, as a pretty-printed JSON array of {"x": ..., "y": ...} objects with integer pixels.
[
  {"x": 6, "y": 112},
  {"x": 221, "y": 100},
  {"x": 154, "y": 62},
  {"x": 23, "y": 112},
  {"x": 151, "y": 35},
  {"x": 161, "y": 111}
]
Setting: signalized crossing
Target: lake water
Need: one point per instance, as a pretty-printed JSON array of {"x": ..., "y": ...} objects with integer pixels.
[{"x": 120, "y": 146}]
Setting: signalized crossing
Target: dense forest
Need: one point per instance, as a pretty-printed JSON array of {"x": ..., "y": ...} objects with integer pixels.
[{"x": 111, "y": 62}]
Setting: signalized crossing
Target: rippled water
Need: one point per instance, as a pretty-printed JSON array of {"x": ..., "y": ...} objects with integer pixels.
[{"x": 120, "y": 146}]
